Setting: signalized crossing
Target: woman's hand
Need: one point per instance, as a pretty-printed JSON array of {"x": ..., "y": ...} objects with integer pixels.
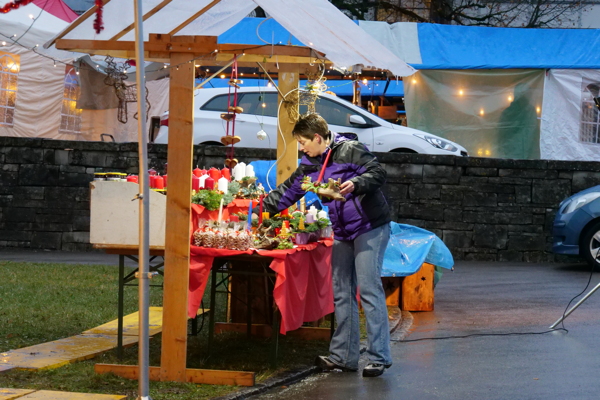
[{"x": 346, "y": 187}]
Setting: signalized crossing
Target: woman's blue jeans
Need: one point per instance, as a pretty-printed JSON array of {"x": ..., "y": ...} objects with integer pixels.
[{"x": 357, "y": 263}]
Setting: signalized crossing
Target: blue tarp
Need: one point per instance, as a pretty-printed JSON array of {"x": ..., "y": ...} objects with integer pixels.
[
  {"x": 473, "y": 47},
  {"x": 463, "y": 47},
  {"x": 409, "y": 247},
  {"x": 341, "y": 87}
]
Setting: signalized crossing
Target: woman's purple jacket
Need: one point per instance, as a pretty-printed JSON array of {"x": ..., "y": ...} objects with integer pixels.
[{"x": 364, "y": 209}]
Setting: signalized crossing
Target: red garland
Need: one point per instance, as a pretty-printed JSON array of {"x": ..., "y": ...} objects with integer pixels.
[
  {"x": 98, "y": 25},
  {"x": 13, "y": 5}
]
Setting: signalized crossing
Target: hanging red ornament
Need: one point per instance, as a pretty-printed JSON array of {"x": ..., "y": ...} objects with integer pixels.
[
  {"x": 98, "y": 24},
  {"x": 13, "y": 5}
]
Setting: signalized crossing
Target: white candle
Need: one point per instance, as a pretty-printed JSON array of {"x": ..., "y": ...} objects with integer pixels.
[
  {"x": 222, "y": 184},
  {"x": 249, "y": 170},
  {"x": 313, "y": 210},
  {"x": 322, "y": 215},
  {"x": 240, "y": 171},
  {"x": 220, "y": 210},
  {"x": 202, "y": 180}
]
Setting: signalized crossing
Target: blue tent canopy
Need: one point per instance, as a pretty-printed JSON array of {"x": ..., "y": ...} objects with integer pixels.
[
  {"x": 342, "y": 87},
  {"x": 454, "y": 47}
]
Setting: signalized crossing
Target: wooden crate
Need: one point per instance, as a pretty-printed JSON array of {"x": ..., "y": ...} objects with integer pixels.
[{"x": 413, "y": 292}]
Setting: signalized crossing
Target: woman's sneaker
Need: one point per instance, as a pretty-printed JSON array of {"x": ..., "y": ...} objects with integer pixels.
[
  {"x": 374, "y": 369},
  {"x": 328, "y": 364}
]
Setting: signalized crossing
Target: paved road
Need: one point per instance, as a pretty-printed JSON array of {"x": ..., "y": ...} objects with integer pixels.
[{"x": 486, "y": 298}]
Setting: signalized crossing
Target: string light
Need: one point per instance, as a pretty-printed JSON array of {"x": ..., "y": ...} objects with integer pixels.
[
  {"x": 510, "y": 98},
  {"x": 414, "y": 81},
  {"x": 481, "y": 112},
  {"x": 222, "y": 76},
  {"x": 365, "y": 81},
  {"x": 3, "y": 43},
  {"x": 54, "y": 63},
  {"x": 461, "y": 92},
  {"x": 31, "y": 16}
]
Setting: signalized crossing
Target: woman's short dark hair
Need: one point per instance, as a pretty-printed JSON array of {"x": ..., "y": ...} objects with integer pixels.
[{"x": 309, "y": 124}]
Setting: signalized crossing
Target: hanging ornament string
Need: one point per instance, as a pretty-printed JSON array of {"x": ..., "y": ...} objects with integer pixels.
[
  {"x": 98, "y": 23},
  {"x": 13, "y": 5},
  {"x": 230, "y": 116}
]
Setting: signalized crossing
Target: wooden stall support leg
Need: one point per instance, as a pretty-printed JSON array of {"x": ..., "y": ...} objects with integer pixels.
[
  {"x": 249, "y": 307},
  {"x": 120, "y": 307},
  {"x": 275, "y": 338},
  {"x": 211, "y": 310}
]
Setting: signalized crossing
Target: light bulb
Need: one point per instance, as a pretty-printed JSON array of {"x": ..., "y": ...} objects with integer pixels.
[
  {"x": 261, "y": 135},
  {"x": 3, "y": 43},
  {"x": 461, "y": 92},
  {"x": 222, "y": 76},
  {"x": 31, "y": 16},
  {"x": 364, "y": 81}
]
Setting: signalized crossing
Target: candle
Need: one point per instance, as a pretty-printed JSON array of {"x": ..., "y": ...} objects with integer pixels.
[
  {"x": 313, "y": 210},
  {"x": 209, "y": 183},
  {"x": 197, "y": 172},
  {"x": 165, "y": 179},
  {"x": 301, "y": 224},
  {"x": 266, "y": 215},
  {"x": 310, "y": 218},
  {"x": 322, "y": 215},
  {"x": 249, "y": 170},
  {"x": 152, "y": 171},
  {"x": 151, "y": 181},
  {"x": 222, "y": 184},
  {"x": 132, "y": 178},
  {"x": 195, "y": 183},
  {"x": 260, "y": 209},
  {"x": 250, "y": 216},
  {"x": 284, "y": 212},
  {"x": 214, "y": 173},
  {"x": 225, "y": 173},
  {"x": 303, "y": 204},
  {"x": 234, "y": 218},
  {"x": 240, "y": 171},
  {"x": 159, "y": 182},
  {"x": 220, "y": 210},
  {"x": 203, "y": 181}
]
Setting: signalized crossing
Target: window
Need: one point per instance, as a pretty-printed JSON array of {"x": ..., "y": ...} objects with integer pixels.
[
  {"x": 260, "y": 104},
  {"x": 9, "y": 70},
  {"x": 70, "y": 115},
  {"x": 217, "y": 103},
  {"x": 334, "y": 113}
]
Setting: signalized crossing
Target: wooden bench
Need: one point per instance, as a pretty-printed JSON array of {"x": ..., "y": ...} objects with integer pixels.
[{"x": 413, "y": 292}]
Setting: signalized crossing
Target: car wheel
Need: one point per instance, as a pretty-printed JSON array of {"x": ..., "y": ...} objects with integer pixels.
[{"x": 589, "y": 246}]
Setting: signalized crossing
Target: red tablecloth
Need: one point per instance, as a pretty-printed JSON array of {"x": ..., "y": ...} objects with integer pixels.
[{"x": 303, "y": 291}]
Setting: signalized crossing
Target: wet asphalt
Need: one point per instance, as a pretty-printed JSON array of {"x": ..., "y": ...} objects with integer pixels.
[
  {"x": 488, "y": 298},
  {"x": 477, "y": 298}
]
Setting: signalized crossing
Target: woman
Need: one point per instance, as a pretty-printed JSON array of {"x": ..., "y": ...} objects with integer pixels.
[{"x": 361, "y": 232}]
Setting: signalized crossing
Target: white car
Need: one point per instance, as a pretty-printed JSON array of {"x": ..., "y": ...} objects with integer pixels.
[{"x": 260, "y": 107}]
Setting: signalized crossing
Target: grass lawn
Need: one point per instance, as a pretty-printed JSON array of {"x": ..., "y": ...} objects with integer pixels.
[{"x": 44, "y": 302}]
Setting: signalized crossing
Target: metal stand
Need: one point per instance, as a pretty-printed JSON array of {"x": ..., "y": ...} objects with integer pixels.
[{"x": 591, "y": 292}]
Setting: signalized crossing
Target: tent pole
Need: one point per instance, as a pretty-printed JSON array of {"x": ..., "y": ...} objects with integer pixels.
[{"x": 144, "y": 231}]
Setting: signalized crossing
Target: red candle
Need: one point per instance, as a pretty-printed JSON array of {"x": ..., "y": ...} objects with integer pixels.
[
  {"x": 152, "y": 171},
  {"x": 214, "y": 173},
  {"x": 151, "y": 181},
  {"x": 132, "y": 178},
  {"x": 225, "y": 173},
  {"x": 195, "y": 182},
  {"x": 165, "y": 179},
  {"x": 209, "y": 183},
  {"x": 159, "y": 182},
  {"x": 197, "y": 172},
  {"x": 284, "y": 212},
  {"x": 202, "y": 172},
  {"x": 260, "y": 208},
  {"x": 234, "y": 218}
]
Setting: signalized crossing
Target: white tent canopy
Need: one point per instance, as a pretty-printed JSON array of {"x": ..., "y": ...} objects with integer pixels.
[{"x": 317, "y": 23}]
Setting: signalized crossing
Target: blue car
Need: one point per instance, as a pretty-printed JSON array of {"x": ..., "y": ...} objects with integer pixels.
[{"x": 576, "y": 227}]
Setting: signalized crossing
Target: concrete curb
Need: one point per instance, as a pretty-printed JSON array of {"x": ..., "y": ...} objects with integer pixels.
[{"x": 400, "y": 322}]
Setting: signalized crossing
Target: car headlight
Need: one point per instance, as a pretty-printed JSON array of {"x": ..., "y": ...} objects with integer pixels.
[
  {"x": 578, "y": 202},
  {"x": 437, "y": 142}
]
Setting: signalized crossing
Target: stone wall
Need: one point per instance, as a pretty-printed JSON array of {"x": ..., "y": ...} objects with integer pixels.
[{"x": 483, "y": 209}]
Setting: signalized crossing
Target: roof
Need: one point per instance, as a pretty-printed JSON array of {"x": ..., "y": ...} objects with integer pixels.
[{"x": 317, "y": 24}]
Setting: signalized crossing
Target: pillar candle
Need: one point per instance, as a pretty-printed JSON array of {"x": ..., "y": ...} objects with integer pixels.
[
  {"x": 151, "y": 181},
  {"x": 260, "y": 209},
  {"x": 240, "y": 171},
  {"x": 209, "y": 183},
  {"x": 313, "y": 210},
  {"x": 250, "y": 216},
  {"x": 159, "y": 182},
  {"x": 266, "y": 215},
  {"x": 222, "y": 184},
  {"x": 301, "y": 224},
  {"x": 195, "y": 183},
  {"x": 165, "y": 179},
  {"x": 225, "y": 173},
  {"x": 322, "y": 215},
  {"x": 214, "y": 173},
  {"x": 132, "y": 178},
  {"x": 220, "y": 211},
  {"x": 249, "y": 170},
  {"x": 310, "y": 218},
  {"x": 203, "y": 181},
  {"x": 197, "y": 172}
]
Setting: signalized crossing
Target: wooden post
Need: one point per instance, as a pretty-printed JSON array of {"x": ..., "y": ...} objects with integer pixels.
[
  {"x": 177, "y": 240},
  {"x": 288, "y": 160}
]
